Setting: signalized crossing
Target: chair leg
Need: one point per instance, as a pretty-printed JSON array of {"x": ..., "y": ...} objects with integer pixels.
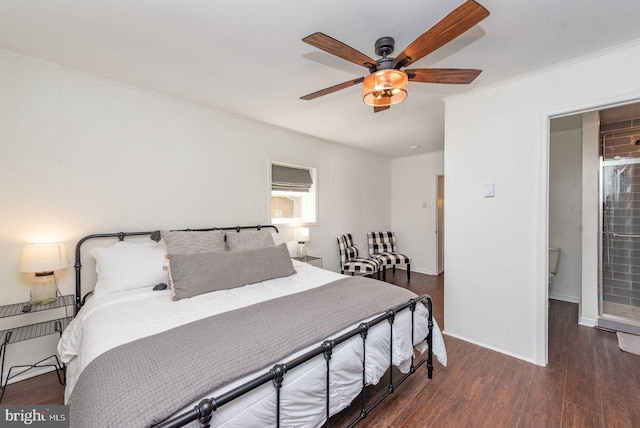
[
  {"x": 408, "y": 272},
  {"x": 394, "y": 269},
  {"x": 384, "y": 274},
  {"x": 353, "y": 273}
]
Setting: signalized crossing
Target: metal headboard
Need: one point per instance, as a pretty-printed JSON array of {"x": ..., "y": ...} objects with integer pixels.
[{"x": 80, "y": 299}]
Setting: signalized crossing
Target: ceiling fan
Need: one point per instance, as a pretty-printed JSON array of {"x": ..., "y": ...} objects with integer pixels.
[{"x": 387, "y": 82}]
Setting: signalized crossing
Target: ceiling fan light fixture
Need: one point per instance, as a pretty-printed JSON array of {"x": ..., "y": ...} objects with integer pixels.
[{"x": 385, "y": 87}]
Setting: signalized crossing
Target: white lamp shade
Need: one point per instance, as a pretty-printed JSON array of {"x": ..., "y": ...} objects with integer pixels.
[
  {"x": 301, "y": 234},
  {"x": 43, "y": 258}
]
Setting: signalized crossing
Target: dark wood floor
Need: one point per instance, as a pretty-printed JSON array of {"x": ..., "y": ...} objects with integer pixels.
[{"x": 589, "y": 382}]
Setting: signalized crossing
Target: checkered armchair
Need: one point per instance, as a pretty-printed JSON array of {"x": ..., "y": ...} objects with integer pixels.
[
  {"x": 382, "y": 247},
  {"x": 349, "y": 260}
]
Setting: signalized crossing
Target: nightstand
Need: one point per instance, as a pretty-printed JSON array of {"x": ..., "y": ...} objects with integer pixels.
[
  {"x": 313, "y": 261},
  {"x": 32, "y": 331}
]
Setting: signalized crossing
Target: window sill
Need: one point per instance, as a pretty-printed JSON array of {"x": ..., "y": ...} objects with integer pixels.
[{"x": 293, "y": 223}]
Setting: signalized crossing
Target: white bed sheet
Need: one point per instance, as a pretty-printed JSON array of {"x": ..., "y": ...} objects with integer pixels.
[{"x": 111, "y": 320}]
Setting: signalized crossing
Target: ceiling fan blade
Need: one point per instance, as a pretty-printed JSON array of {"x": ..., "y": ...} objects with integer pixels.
[
  {"x": 331, "y": 89},
  {"x": 377, "y": 109},
  {"x": 339, "y": 49},
  {"x": 459, "y": 76},
  {"x": 451, "y": 26}
]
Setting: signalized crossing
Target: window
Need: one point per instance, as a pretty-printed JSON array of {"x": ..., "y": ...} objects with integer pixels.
[{"x": 293, "y": 194}]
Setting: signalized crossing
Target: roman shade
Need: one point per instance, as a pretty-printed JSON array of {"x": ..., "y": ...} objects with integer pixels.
[{"x": 290, "y": 178}]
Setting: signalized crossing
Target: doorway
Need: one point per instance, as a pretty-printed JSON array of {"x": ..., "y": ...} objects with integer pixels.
[
  {"x": 440, "y": 222},
  {"x": 619, "y": 287},
  {"x": 565, "y": 209},
  {"x": 596, "y": 155}
]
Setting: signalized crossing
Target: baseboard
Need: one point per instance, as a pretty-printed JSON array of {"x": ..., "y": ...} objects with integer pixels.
[
  {"x": 493, "y": 348},
  {"x": 587, "y": 322},
  {"x": 619, "y": 325},
  {"x": 564, "y": 297},
  {"x": 418, "y": 270}
]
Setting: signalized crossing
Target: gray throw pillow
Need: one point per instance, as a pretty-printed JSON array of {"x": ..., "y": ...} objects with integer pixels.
[
  {"x": 195, "y": 274},
  {"x": 179, "y": 242},
  {"x": 249, "y": 240}
]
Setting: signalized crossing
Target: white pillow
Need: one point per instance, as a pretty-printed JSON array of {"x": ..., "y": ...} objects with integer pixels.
[
  {"x": 277, "y": 239},
  {"x": 127, "y": 265}
]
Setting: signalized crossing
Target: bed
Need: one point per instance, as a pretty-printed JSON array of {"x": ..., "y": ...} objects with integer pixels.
[{"x": 315, "y": 379}]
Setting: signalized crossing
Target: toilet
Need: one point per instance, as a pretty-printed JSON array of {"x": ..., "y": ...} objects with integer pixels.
[{"x": 554, "y": 258}]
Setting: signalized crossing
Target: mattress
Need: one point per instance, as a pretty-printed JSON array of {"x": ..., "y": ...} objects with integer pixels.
[{"x": 110, "y": 320}]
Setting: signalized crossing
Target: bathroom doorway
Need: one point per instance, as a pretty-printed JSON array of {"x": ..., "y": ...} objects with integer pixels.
[
  {"x": 565, "y": 209},
  {"x": 619, "y": 290},
  {"x": 594, "y": 167}
]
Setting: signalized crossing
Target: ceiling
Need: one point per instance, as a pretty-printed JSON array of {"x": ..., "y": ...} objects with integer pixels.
[{"x": 247, "y": 58}]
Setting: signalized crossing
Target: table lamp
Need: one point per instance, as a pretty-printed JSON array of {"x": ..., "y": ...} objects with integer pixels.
[
  {"x": 301, "y": 234},
  {"x": 43, "y": 260}
]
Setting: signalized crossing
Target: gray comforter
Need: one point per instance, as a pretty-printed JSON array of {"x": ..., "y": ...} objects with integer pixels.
[{"x": 143, "y": 382}]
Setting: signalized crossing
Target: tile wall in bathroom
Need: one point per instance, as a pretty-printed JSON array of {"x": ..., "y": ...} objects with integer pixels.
[
  {"x": 621, "y": 276},
  {"x": 620, "y": 139}
]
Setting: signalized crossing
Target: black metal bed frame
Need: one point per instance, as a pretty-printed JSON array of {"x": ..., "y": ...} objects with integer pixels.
[
  {"x": 81, "y": 299},
  {"x": 203, "y": 412}
]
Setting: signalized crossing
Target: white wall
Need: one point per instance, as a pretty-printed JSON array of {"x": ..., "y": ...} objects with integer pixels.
[
  {"x": 84, "y": 155},
  {"x": 565, "y": 211},
  {"x": 413, "y": 184},
  {"x": 496, "y": 248}
]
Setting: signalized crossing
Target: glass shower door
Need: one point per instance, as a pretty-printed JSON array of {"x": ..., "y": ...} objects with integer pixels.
[{"x": 620, "y": 245}]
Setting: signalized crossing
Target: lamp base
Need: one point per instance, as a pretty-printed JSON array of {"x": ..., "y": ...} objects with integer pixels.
[
  {"x": 302, "y": 249},
  {"x": 44, "y": 289}
]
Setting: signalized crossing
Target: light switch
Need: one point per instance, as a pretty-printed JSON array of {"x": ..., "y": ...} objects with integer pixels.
[{"x": 488, "y": 190}]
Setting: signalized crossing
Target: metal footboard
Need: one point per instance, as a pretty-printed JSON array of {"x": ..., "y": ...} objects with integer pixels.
[{"x": 203, "y": 412}]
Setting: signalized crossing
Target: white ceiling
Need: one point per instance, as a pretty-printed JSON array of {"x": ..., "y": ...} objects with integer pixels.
[{"x": 246, "y": 57}]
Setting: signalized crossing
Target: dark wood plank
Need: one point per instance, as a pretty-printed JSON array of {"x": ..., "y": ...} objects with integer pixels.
[
  {"x": 618, "y": 377},
  {"x": 503, "y": 406},
  {"x": 42, "y": 389},
  {"x": 461, "y": 409},
  {"x": 466, "y": 359},
  {"x": 576, "y": 416},
  {"x": 581, "y": 388},
  {"x": 558, "y": 330},
  {"x": 543, "y": 406}
]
